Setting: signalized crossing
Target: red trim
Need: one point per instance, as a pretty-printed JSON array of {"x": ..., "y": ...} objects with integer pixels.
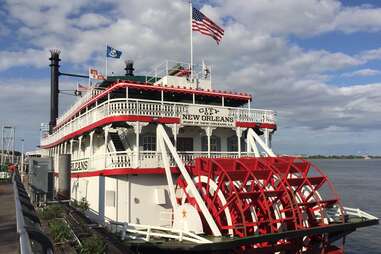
[
  {"x": 111, "y": 119},
  {"x": 253, "y": 125},
  {"x": 121, "y": 171},
  {"x": 267, "y": 126},
  {"x": 144, "y": 86}
]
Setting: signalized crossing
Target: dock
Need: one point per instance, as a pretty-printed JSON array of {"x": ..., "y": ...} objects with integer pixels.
[{"x": 8, "y": 224}]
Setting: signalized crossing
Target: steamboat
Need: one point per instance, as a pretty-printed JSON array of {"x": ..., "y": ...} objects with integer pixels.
[{"x": 176, "y": 165}]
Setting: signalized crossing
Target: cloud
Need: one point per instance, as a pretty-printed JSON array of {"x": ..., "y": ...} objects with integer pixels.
[
  {"x": 302, "y": 18},
  {"x": 363, "y": 18},
  {"x": 28, "y": 57},
  {"x": 91, "y": 20},
  {"x": 370, "y": 55},
  {"x": 25, "y": 105},
  {"x": 362, "y": 73},
  {"x": 255, "y": 56}
]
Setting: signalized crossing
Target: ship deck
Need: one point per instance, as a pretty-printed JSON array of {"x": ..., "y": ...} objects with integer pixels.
[
  {"x": 334, "y": 231},
  {"x": 8, "y": 228}
]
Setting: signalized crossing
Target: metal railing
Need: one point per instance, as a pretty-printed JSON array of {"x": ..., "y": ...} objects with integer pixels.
[
  {"x": 147, "y": 232},
  {"x": 170, "y": 67},
  {"x": 30, "y": 232},
  {"x": 359, "y": 213},
  {"x": 92, "y": 92},
  {"x": 145, "y": 159},
  {"x": 152, "y": 108}
]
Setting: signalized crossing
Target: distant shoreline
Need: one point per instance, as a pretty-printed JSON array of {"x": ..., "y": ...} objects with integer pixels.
[{"x": 341, "y": 157}]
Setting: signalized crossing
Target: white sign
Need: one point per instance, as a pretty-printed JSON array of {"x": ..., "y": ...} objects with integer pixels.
[
  {"x": 207, "y": 115},
  {"x": 79, "y": 165}
]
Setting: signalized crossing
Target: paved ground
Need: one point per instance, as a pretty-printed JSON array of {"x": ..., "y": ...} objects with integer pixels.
[{"x": 8, "y": 231}]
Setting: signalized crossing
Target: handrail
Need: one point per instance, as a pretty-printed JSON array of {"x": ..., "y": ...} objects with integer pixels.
[
  {"x": 25, "y": 244},
  {"x": 115, "y": 106},
  {"x": 29, "y": 232},
  {"x": 87, "y": 96},
  {"x": 358, "y": 212},
  {"x": 149, "y": 231},
  {"x": 130, "y": 159}
]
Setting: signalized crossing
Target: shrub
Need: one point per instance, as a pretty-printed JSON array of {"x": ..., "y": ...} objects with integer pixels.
[
  {"x": 59, "y": 230},
  {"x": 82, "y": 205},
  {"x": 93, "y": 245},
  {"x": 51, "y": 212}
]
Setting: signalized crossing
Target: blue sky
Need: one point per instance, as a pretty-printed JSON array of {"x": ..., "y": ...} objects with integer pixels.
[{"x": 317, "y": 63}]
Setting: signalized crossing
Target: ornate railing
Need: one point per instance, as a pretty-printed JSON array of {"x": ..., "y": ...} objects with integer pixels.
[
  {"x": 145, "y": 159},
  {"x": 87, "y": 95},
  {"x": 114, "y": 107}
]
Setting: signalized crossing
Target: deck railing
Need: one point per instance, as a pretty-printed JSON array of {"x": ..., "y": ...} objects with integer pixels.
[
  {"x": 87, "y": 95},
  {"x": 145, "y": 159},
  {"x": 139, "y": 107}
]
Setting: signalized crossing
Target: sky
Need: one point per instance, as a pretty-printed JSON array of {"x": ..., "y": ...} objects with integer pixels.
[{"x": 316, "y": 63}]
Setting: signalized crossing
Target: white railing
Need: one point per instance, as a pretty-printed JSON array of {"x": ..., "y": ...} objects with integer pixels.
[
  {"x": 114, "y": 107},
  {"x": 148, "y": 232},
  {"x": 164, "y": 69},
  {"x": 145, "y": 159},
  {"x": 359, "y": 213},
  {"x": 85, "y": 97}
]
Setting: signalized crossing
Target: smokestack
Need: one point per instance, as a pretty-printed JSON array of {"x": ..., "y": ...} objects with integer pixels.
[
  {"x": 54, "y": 73},
  {"x": 129, "y": 68}
]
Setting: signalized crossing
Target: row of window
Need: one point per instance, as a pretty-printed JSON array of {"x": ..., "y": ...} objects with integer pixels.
[{"x": 186, "y": 144}]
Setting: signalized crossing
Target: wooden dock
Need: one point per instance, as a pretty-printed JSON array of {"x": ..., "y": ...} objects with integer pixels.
[{"x": 8, "y": 228}]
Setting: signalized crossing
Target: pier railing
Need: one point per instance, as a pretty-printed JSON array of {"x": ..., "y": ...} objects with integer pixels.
[{"x": 115, "y": 107}]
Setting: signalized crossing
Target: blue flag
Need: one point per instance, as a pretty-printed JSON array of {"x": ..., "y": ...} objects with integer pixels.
[{"x": 113, "y": 53}]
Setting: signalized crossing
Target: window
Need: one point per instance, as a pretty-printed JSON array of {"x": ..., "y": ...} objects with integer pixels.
[
  {"x": 149, "y": 143},
  {"x": 232, "y": 144},
  {"x": 184, "y": 144},
  {"x": 215, "y": 143},
  {"x": 110, "y": 198}
]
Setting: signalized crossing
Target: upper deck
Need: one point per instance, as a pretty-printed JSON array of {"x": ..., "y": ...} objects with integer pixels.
[{"x": 191, "y": 102}]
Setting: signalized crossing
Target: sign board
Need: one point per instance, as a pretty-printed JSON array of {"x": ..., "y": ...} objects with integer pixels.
[
  {"x": 80, "y": 165},
  {"x": 207, "y": 115}
]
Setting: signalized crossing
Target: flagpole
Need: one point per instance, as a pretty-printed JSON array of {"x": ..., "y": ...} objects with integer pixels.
[
  {"x": 191, "y": 40},
  {"x": 106, "y": 60}
]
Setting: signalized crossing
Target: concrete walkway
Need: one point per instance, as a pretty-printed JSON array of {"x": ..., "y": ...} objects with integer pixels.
[{"x": 8, "y": 229}]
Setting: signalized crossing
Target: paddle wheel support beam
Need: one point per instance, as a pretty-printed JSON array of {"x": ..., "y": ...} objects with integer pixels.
[
  {"x": 165, "y": 143},
  {"x": 252, "y": 138}
]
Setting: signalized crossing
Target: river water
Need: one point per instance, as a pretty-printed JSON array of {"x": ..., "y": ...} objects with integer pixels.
[{"x": 358, "y": 182}]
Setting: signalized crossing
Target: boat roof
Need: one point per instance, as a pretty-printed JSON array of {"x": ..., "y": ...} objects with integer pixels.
[{"x": 139, "y": 82}]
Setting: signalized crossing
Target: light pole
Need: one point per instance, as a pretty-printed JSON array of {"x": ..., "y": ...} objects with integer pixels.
[{"x": 22, "y": 156}]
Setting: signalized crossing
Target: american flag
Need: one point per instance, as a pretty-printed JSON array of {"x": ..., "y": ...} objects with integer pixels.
[{"x": 204, "y": 25}]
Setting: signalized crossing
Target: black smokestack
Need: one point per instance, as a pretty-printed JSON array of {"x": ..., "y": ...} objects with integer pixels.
[
  {"x": 129, "y": 68},
  {"x": 54, "y": 73}
]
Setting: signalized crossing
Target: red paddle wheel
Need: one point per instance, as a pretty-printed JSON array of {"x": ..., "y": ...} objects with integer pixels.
[{"x": 258, "y": 196}]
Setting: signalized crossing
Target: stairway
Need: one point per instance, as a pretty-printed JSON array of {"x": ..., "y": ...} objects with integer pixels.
[{"x": 118, "y": 144}]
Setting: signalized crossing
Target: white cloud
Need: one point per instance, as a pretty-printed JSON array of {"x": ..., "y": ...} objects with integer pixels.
[
  {"x": 362, "y": 73},
  {"x": 304, "y": 18},
  {"x": 369, "y": 55},
  {"x": 28, "y": 57},
  {"x": 355, "y": 19},
  {"x": 91, "y": 20}
]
